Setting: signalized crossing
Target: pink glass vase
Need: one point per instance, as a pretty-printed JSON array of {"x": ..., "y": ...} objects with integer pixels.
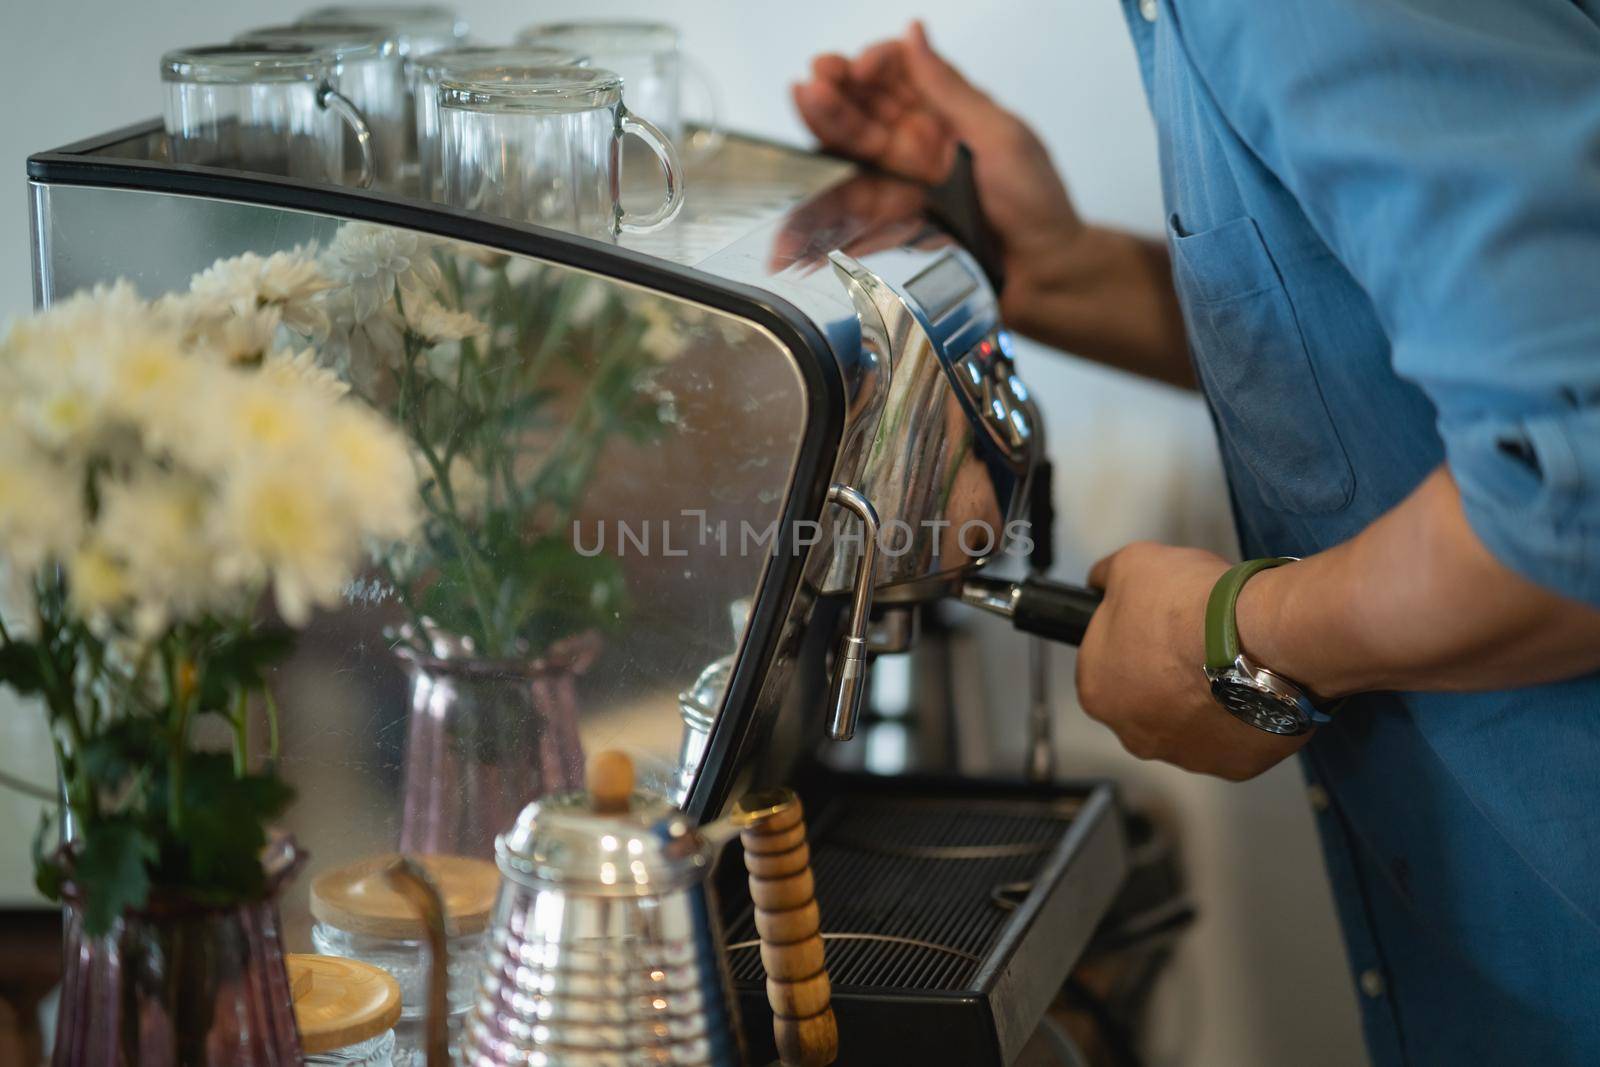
[
  {"x": 180, "y": 984},
  {"x": 485, "y": 737}
]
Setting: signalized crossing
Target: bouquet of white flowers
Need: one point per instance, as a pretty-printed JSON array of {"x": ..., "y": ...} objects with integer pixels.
[{"x": 163, "y": 465}]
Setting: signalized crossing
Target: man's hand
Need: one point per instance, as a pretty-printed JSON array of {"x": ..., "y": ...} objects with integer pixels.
[
  {"x": 1140, "y": 665},
  {"x": 1085, "y": 289},
  {"x": 902, "y": 107}
]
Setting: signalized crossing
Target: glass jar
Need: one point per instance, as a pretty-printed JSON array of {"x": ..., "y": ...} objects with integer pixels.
[
  {"x": 359, "y": 916},
  {"x": 345, "y": 1011},
  {"x": 407, "y": 960},
  {"x": 373, "y": 1052}
]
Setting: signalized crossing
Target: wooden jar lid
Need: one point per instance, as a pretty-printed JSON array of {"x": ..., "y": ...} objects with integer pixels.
[
  {"x": 340, "y": 1002},
  {"x": 358, "y": 898}
]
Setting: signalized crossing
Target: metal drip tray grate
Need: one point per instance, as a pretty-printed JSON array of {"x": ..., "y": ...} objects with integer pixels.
[
  {"x": 938, "y": 876},
  {"x": 936, "y": 896}
]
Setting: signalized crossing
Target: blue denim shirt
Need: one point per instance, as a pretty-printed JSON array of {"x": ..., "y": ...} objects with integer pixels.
[{"x": 1384, "y": 218}]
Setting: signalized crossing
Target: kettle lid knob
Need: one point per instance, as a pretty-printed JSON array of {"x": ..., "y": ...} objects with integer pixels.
[{"x": 610, "y": 782}]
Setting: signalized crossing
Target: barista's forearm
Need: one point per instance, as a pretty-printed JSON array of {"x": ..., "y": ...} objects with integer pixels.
[
  {"x": 1108, "y": 296},
  {"x": 1414, "y": 602}
]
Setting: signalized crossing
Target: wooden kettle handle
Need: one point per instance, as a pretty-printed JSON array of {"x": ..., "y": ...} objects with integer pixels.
[
  {"x": 778, "y": 861},
  {"x": 411, "y": 880}
]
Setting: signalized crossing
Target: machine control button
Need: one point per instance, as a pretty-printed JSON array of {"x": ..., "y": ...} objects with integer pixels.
[
  {"x": 1017, "y": 388},
  {"x": 1020, "y": 429},
  {"x": 988, "y": 398},
  {"x": 972, "y": 373},
  {"x": 1008, "y": 347},
  {"x": 1000, "y": 410}
]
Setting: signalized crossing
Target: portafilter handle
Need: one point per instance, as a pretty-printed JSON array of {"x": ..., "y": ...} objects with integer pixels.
[{"x": 1052, "y": 610}]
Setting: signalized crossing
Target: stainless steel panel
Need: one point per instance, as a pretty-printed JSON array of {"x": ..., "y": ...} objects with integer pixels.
[{"x": 609, "y": 434}]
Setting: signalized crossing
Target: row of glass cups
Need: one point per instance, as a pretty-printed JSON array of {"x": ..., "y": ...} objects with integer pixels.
[{"x": 531, "y": 132}]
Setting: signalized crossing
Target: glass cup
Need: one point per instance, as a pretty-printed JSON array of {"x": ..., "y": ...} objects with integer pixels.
[
  {"x": 417, "y": 28},
  {"x": 459, "y": 64},
  {"x": 647, "y": 56},
  {"x": 272, "y": 109},
  {"x": 370, "y": 72},
  {"x": 544, "y": 145}
]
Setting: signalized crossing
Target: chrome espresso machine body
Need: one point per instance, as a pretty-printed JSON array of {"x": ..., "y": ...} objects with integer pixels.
[{"x": 835, "y": 423}]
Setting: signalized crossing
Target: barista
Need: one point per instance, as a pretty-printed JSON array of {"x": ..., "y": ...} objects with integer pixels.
[{"x": 1381, "y": 268}]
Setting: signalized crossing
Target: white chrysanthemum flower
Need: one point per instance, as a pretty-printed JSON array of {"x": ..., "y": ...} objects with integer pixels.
[
  {"x": 246, "y": 417},
  {"x": 371, "y": 471},
  {"x": 156, "y": 390},
  {"x": 98, "y": 584},
  {"x": 272, "y": 523},
  {"x": 434, "y": 323},
  {"x": 361, "y": 345},
  {"x": 291, "y": 369},
  {"x": 373, "y": 261},
  {"x": 288, "y": 282},
  {"x": 156, "y": 521},
  {"x": 242, "y": 338},
  {"x": 41, "y": 508},
  {"x": 219, "y": 464},
  {"x": 57, "y": 369}
]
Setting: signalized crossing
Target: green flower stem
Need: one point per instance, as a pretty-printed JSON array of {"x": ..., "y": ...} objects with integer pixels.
[
  {"x": 441, "y": 476},
  {"x": 458, "y": 534},
  {"x": 241, "y": 732},
  {"x": 63, "y": 707},
  {"x": 178, "y": 736},
  {"x": 272, "y": 724}
]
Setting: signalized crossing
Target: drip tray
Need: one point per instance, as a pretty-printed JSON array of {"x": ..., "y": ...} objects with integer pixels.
[{"x": 952, "y": 911}]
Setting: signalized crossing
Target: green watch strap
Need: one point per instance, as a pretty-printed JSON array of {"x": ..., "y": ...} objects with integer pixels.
[{"x": 1222, "y": 630}]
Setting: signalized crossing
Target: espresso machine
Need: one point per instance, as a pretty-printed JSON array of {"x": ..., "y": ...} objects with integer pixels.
[{"x": 837, "y": 435}]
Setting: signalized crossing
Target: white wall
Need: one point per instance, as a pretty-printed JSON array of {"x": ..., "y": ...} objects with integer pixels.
[{"x": 1261, "y": 982}]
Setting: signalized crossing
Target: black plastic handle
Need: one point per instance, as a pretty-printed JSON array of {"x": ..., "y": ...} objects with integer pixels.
[{"x": 1054, "y": 610}]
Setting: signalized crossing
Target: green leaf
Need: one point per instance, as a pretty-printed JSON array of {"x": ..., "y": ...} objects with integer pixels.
[
  {"x": 240, "y": 661},
  {"x": 122, "y": 748},
  {"x": 111, "y": 871},
  {"x": 19, "y": 667},
  {"x": 224, "y": 825},
  {"x": 560, "y": 592},
  {"x": 48, "y": 873}
]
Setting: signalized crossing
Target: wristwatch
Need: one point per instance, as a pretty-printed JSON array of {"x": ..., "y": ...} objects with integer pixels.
[{"x": 1250, "y": 692}]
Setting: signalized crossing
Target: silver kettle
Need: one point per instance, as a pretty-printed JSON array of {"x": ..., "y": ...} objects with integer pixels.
[{"x": 604, "y": 948}]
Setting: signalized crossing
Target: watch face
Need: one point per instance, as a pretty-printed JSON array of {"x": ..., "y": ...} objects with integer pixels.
[{"x": 1255, "y": 704}]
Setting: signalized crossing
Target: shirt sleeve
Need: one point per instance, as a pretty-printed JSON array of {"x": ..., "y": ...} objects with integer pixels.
[{"x": 1448, "y": 152}]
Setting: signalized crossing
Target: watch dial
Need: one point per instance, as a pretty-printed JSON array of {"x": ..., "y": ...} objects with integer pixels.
[{"x": 1259, "y": 707}]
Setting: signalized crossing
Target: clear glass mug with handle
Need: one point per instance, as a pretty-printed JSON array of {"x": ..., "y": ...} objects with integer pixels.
[
  {"x": 368, "y": 71},
  {"x": 652, "y": 65},
  {"x": 461, "y": 64},
  {"x": 417, "y": 28},
  {"x": 271, "y": 109},
  {"x": 544, "y": 145}
]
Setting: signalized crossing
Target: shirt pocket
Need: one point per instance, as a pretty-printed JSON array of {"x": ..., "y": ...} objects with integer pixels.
[{"x": 1256, "y": 371}]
